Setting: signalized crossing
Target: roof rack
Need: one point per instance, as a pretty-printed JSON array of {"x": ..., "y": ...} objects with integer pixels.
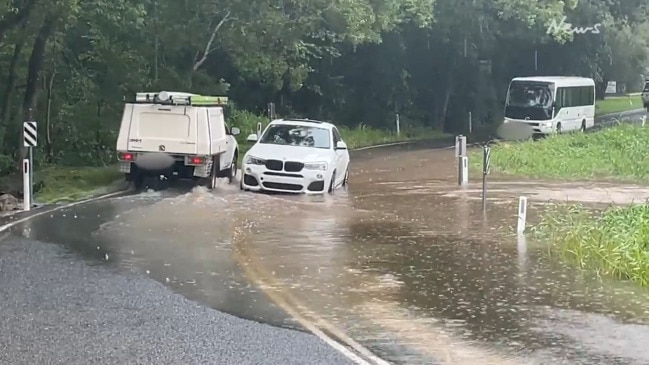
[{"x": 179, "y": 98}]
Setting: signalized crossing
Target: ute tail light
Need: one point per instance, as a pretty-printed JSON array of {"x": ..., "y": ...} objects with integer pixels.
[
  {"x": 126, "y": 156},
  {"x": 196, "y": 160}
]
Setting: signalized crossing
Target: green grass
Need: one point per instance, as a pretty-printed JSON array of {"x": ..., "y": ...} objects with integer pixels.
[
  {"x": 619, "y": 153},
  {"x": 71, "y": 184},
  {"x": 614, "y": 242},
  {"x": 616, "y": 104}
]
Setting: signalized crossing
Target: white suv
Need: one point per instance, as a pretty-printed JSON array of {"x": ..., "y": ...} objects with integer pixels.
[{"x": 296, "y": 156}]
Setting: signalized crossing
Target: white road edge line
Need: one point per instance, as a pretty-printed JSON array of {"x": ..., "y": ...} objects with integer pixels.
[
  {"x": 382, "y": 145},
  {"x": 311, "y": 327},
  {"x": 60, "y": 207}
]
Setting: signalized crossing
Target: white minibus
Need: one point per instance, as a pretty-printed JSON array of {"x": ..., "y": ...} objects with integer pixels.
[{"x": 551, "y": 103}]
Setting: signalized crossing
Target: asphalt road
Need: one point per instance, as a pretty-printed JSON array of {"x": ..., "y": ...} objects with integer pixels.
[{"x": 57, "y": 308}]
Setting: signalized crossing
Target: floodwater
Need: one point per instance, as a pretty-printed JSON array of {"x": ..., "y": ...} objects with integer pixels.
[{"x": 404, "y": 263}]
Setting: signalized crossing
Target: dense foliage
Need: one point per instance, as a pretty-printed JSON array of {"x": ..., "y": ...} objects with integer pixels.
[{"x": 355, "y": 61}]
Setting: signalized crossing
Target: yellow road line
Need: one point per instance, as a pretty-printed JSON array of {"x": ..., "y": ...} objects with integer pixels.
[{"x": 257, "y": 274}]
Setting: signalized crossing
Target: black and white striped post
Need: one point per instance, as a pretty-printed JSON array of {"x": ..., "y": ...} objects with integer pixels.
[
  {"x": 486, "y": 156},
  {"x": 30, "y": 140}
]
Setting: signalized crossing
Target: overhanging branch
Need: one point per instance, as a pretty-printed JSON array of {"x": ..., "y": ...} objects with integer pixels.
[{"x": 208, "y": 47}]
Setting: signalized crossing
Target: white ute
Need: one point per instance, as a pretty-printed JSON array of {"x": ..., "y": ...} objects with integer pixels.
[
  {"x": 296, "y": 156},
  {"x": 172, "y": 135}
]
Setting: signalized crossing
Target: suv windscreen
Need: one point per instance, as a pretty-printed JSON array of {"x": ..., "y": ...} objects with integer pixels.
[{"x": 297, "y": 135}]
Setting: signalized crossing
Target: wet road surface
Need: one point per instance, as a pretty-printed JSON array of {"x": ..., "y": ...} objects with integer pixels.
[
  {"x": 404, "y": 263},
  {"x": 106, "y": 308}
]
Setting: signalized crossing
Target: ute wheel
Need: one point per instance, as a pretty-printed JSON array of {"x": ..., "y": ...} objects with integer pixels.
[
  {"x": 232, "y": 172},
  {"x": 138, "y": 181},
  {"x": 559, "y": 128},
  {"x": 151, "y": 182},
  {"x": 583, "y": 126},
  {"x": 332, "y": 184}
]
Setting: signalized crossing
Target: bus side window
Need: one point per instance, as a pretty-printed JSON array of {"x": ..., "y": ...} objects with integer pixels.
[{"x": 559, "y": 101}]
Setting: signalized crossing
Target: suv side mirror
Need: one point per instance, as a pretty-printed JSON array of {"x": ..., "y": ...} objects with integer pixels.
[
  {"x": 340, "y": 145},
  {"x": 252, "y": 138},
  {"x": 235, "y": 131}
]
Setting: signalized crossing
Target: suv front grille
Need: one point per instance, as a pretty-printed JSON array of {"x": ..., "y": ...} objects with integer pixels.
[
  {"x": 292, "y": 166},
  {"x": 275, "y": 165}
]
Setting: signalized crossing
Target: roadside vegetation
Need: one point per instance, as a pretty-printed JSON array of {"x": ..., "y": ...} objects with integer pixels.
[
  {"x": 71, "y": 184},
  {"x": 618, "y": 104},
  {"x": 613, "y": 242},
  {"x": 61, "y": 183},
  {"x": 620, "y": 153}
]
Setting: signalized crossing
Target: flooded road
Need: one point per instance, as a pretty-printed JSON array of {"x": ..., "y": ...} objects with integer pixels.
[{"x": 405, "y": 263}]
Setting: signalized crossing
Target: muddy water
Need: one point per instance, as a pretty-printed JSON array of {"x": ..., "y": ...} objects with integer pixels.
[
  {"x": 409, "y": 265},
  {"x": 405, "y": 263}
]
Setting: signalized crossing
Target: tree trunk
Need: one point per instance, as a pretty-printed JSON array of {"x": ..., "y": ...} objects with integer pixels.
[
  {"x": 33, "y": 73},
  {"x": 48, "y": 119},
  {"x": 442, "y": 110},
  {"x": 5, "y": 112}
]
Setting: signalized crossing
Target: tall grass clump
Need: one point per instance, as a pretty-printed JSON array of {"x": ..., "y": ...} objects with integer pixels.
[
  {"x": 618, "y": 153},
  {"x": 614, "y": 242}
]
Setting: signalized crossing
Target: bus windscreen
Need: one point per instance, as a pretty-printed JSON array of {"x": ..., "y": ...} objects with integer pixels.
[{"x": 532, "y": 100}]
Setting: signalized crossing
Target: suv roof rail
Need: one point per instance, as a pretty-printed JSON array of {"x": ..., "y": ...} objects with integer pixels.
[
  {"x": 303, "y": 120},
  {"x": 179, "y": 98}
]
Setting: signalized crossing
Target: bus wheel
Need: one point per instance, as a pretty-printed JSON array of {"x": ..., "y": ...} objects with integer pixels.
[
  {"x": 559, "y": 129},
  {"x": 583, "y": 126}
]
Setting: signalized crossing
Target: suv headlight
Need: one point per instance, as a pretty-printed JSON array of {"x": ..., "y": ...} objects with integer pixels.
[
  {"x": 252, "y": 160},
  {"x": 322, "y": 166}
]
